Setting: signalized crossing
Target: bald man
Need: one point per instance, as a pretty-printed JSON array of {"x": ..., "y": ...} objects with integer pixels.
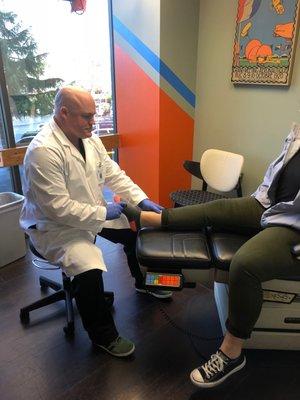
[{"x": 66, "y": 168}]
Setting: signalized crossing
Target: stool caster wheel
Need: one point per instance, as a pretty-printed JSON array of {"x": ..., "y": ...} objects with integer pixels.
[
  {"x": 24, "y": 317},
  {"x": 69, "y": 330}
]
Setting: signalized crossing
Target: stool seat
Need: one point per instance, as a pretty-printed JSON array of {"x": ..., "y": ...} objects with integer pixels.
[
  {"x": 40, "y": 259},
  {"x": 34, "y": 251},
  {"x": 157, "y": 248}
]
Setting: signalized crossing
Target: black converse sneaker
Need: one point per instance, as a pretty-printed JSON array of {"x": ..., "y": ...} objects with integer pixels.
[{"x": 218, "y": 368}]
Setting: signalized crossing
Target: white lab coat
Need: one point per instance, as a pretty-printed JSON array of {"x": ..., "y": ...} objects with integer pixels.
[{"x": 64, "y": 198}]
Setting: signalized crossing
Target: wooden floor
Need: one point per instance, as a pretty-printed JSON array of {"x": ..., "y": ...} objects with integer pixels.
[{"x": 37, "y": 362}]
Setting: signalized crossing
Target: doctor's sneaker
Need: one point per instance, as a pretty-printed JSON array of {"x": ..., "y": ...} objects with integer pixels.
[
  {"x": 158, "y": 293},
  {"x": 119, "y": 347},
  {"x": 216, "y": 370}
]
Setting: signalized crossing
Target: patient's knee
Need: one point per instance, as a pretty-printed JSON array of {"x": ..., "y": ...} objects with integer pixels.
[{"x": 243, "y": 270}]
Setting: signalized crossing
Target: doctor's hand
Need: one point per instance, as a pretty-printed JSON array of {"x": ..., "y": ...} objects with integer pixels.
[
  {"x": 114, "y": 210},
  {"x": 148, "y": 205}
]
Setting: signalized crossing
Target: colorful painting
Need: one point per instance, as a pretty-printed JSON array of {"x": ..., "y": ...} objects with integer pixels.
[{"x": 264, "y": 44}]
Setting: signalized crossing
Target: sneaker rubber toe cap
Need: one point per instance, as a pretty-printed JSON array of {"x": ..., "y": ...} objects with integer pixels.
[{"x": 196, "y": 376}]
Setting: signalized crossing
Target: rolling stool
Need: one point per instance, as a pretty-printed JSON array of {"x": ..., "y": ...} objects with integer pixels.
[{"x": 62, "y": 292}]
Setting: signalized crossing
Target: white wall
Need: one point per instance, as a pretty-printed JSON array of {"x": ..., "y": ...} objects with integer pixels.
[{"x": 249, "y": 120}]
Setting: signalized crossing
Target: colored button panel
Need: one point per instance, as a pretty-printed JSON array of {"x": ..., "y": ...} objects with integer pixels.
[{"x": 170, "y": 280}]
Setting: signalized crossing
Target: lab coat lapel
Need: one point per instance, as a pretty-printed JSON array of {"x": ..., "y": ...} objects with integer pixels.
[
  {"x": 92, "y": 165},
  {"x": 89, "y": 157},
  {"x": 64, "y": 141}
]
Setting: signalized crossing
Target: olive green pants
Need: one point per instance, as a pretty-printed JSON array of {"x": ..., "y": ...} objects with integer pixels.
[{"x": 267, "y": 255}]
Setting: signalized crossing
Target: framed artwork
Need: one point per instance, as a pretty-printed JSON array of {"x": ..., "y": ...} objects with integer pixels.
[{"x": 265, "y": 42}]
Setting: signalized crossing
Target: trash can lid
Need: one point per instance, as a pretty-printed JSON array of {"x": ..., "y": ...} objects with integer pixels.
[{"x": 10, "y": 198}]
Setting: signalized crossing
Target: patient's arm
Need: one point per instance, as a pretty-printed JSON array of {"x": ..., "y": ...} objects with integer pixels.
[{"x": 296, "y": 250}]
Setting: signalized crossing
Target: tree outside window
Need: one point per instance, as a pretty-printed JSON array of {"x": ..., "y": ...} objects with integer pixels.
[{"x": 48, "y": 48}]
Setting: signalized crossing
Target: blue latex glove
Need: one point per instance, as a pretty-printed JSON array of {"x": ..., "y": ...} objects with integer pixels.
[
  {"x": 148, "y": 205},
  {"x": 114, "y": 210}
]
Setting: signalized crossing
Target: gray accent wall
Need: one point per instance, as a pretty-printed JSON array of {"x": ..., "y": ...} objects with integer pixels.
[
  {"x": 170, "y": 29},
  {"x": 249, "y": 120},
  {"x": 179, "y": 38},
  {"x": 142, "y": 17}
]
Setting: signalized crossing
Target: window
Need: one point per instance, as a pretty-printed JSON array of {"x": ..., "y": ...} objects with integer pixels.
[{"x": 45, "y": 46}]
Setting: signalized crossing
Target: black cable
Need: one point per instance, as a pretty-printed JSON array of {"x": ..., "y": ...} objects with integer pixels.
[{"x": 188, "y": 333}]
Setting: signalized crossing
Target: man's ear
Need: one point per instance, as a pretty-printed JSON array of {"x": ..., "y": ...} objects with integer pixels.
[{"x": 64, "y": 112}]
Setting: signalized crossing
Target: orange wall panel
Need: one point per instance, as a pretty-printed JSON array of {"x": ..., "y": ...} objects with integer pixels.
[
  {"x": 176, "y": 130},
  {"x": 156, "y": 135},
  {"x": 137, "y": 103}
]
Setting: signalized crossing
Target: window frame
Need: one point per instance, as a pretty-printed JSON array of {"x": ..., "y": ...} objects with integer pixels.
[{"x": 8, "y": 127}]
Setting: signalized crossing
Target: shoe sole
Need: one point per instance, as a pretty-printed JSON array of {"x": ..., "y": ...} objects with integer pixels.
[
  {"x": 216, "y": 383},
  {"x": 158, "y": 296},
  {"x": 119, "y": 355}
]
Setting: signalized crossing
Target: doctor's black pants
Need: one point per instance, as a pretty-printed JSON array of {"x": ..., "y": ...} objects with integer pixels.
[
  {"x": 89, "y": 290},
  {"x": 265, "y": 256}
]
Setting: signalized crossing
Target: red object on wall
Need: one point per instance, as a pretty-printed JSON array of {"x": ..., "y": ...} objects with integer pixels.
[{"x": 78, "y": 5}]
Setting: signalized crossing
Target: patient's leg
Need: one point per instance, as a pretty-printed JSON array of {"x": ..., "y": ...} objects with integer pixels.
[
  {"x": 242, "y": 213},
  {"x": 265, "y": 256}
]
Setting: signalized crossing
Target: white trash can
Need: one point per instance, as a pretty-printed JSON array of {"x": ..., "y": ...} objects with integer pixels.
[{"x": 12, "y": 238}]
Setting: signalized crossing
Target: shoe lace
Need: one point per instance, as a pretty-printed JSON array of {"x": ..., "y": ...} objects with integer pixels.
[
  {"x": 114, "y": 343},
  {"x": 215, "y": 364}
]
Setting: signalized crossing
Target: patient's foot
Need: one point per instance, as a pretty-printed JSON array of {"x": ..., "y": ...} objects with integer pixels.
[
  {"x": 141, "y": 218},
  {"x": 216, "y": 370},
  {"x": 150, "y": 218},
  {"x": 133, "y": 214}
]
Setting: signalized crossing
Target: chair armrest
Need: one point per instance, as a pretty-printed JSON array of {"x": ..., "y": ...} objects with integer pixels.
[
  {"x": 296, "y": 250},
  {"x": 193, "y": 167}
]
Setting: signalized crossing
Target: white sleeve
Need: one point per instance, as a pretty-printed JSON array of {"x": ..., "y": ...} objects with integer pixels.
[
  {"x": 117, "y": 180},
  {"x": 49, "y": 192}
]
